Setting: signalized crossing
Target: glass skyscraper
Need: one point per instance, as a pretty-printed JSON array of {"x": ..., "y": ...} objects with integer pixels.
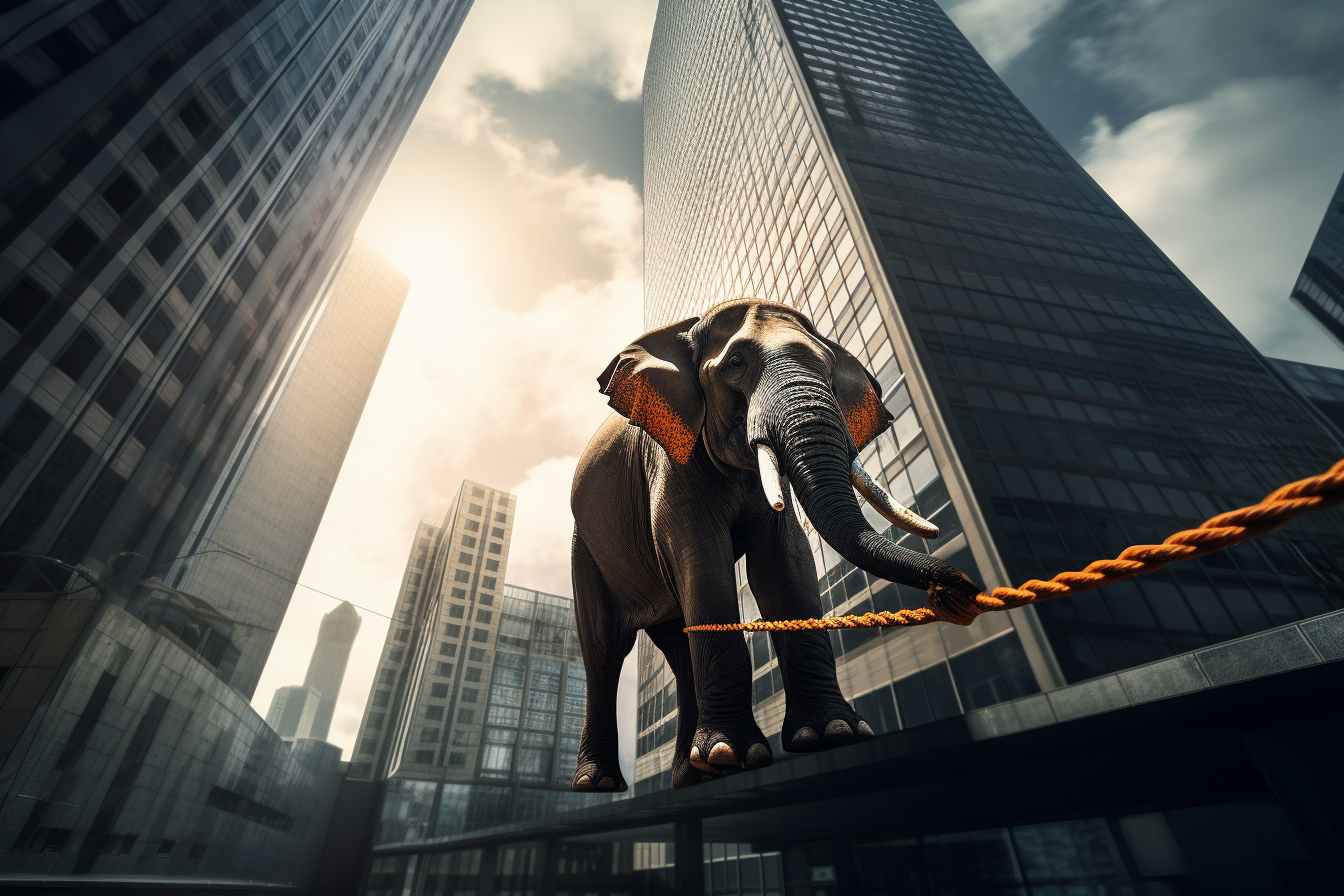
[
  {"x": 1319, "y": 290},
  {"x": 1060, "y": 390},
  {"x": 253, "y": 535},
  {"x": 477, "y": 707},
  {"x": 176, "y": 181}
]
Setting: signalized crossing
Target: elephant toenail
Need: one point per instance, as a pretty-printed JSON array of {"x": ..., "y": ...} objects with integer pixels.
[
  {"x": 838, "y": 728},
  {"x": 864, "y": 729},
  {"x": 722, "y": 754},
  {"x": 805, "y": 737},
  {"x": 695, "y": 754},
  {"x": 606, "y": 783},
  {"x": 758, "y": 754},
  {"x": 583, "y": 782}
]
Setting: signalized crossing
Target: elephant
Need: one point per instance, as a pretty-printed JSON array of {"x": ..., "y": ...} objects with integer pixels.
[{"x": 719, "y": 420}]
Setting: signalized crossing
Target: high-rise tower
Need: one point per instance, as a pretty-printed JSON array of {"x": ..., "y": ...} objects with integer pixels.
[
  {"x": 326, "y": 670},
  {"x": 253, "y": 534},
  {"x": 1060, "y": 390},
  {"x": 176, "y": 180},
  {"x": 477, "y": 707},
  {"x": 1319, "y": 290}
]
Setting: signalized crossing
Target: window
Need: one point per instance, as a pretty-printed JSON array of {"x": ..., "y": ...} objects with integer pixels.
[
  {"x": 424, "y": 757},
  {"x": 487, "y": 599},
  {"x": 376, "y": 720},
  {"x": 469, "y": 541},
  {"x": 446, "y": 648},
  {"x": 456, "y": 611},
  {"x": 438, "y": 690},
  {"x": 248, "y": 205},
  {"x": 452, "y": 630},
  {"x": 473, "y": 526},
  {"x": 227, "y": 165},
  {"x": 434, "y": 713},
  {"x": 222, "y": 240},
  {"x": 474, "y": 509},
  {"x": 478, "y": 493},
  {"x": 402, "y": 634},
  {"x": 368, "y": 745},
  {"x": 164, "y": 243},
  {"x": 496, "y": 532},
  {"x": 270, "y": 169},
  {"x": 462, "y": 576},
  {"x": 476, "y": 654},
  {"x": 429, "y": 735},
  {"x": 457, "y": 760},
  {"x": 484, "y": 616},
  {"x": 488, "y": 582},
  {"x": 125, "y": 294},
  {"x": 459, "y": 593},
  {"x": 501, "y": 518},
  {"x": 79, "y": 354},
  {"x": 480, "y": 635},
  {"x": 165, "y": 848},
  {"x": 465, "y": 716},
  {"x": 161, "y": 152},
  {"x": 396, "y": 655},
  {"x": 496, "y": 547},
  {"x": 198, "y": 201},
  {"x": 444, "y": 669},
  {"x": 123, "y": 193},
  {"x": 380, "y": 698},
  {"x": 156, "y": 332},
  {"x": 492, "y": 565},
  {"x": 473, "y": 673},
  {"x": 387, "y": 676},
  {"x": 470, "y": 695},
  {"x": 197, "y": 851},
  {"x": 465, "y": 558}
]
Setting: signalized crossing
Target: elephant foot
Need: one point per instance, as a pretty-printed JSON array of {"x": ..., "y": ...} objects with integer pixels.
[
  {"x": 594, "y": 777},
  {"x": 807, "y": 730},
  {"x": 723, "y": 751}
]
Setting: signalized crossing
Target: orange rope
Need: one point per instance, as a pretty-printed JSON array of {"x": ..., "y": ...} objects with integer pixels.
[{"x": 1277, "y": 509}]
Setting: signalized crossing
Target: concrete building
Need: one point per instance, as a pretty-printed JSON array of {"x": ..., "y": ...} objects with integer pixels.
[
  {"x": 293, "y": 712},
  {"x": 1319, "y": 290},
  {"x": 178, "y": 180},
  {"x": 1060, "y": 390},
  {"x": 476, "y": 711},
  {"x": 326, "y": 669},
  {"x": 253, "y": 536}
]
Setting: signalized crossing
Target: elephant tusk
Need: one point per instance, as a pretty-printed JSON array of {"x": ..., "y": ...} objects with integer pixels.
[
  {"x": 884, "y": 504},
  {"x": 769, "y": 469}
]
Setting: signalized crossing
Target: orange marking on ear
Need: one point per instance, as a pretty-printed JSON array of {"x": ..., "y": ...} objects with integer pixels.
[
  {"x": 867, "y": 418},
  {"x": 640, "y": 402}
]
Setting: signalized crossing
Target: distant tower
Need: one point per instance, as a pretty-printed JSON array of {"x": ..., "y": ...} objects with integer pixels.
[
  {"x": 326, "y": 669},
  {"x": 1319, "y": 290},
  {"x": 294, "y": 710}
]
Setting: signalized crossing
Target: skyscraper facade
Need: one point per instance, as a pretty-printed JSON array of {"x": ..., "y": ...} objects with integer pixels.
[
  {"x": 1319, "y": 290},
  {"x": 176, "y": 180},
  {"x": 326, "y": 669},
  {"x": 1060, "y": 390},
  {"x": 477, "y": 708},
  {"x": 249, "y": 543},
  {"x": 293, "y": 711}
]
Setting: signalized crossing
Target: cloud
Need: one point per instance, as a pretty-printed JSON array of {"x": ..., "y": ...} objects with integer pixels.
[
  {"x": 1165, "y": 51},
  {"x": 1002, "y": 29},
  {"x": 1232, "y": 187}
]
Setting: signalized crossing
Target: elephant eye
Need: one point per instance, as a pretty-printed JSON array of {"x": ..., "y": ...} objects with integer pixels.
[{"x": 735, "y": 360}]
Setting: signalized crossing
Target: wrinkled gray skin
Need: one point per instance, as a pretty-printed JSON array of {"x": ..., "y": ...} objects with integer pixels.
[{"x": 655, "y": 540}]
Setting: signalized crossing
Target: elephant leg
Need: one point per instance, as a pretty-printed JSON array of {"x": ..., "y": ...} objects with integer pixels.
[
  {"x": 727, "y": 738},
  {"x": 676, "y": 647},
  {"x": 784, "y": 582},
  {"x": 605, "y": 641}
]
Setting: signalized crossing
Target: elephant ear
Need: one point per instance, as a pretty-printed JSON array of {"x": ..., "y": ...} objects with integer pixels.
[
  {"x": 654, "y": 384},
  {"x": 859, "y": 396}
]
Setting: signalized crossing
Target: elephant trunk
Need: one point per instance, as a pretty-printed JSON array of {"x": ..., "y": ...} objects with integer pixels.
[{"x": 795, "y": 411}]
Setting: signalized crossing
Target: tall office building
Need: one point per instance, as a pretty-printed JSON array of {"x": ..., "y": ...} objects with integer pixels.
[
  {"x": 326, "y": 670},
  {"x": 1319, "y": 290},
  {"x": 178, "y": 178},
  {"x": 252, "y": 536},
  {"x": 477, "y": 707},
  {"x": 1060, "y": 390},
  {"x": 1322, "y": 386},
  {"x": 176, "y": 181}
]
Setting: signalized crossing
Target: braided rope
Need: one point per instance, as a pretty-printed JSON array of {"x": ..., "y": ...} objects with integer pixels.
[{"x": 1224, "y": 530}]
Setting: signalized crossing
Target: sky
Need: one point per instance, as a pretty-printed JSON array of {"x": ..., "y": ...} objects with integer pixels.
[{"x": 514, "y": 207}]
